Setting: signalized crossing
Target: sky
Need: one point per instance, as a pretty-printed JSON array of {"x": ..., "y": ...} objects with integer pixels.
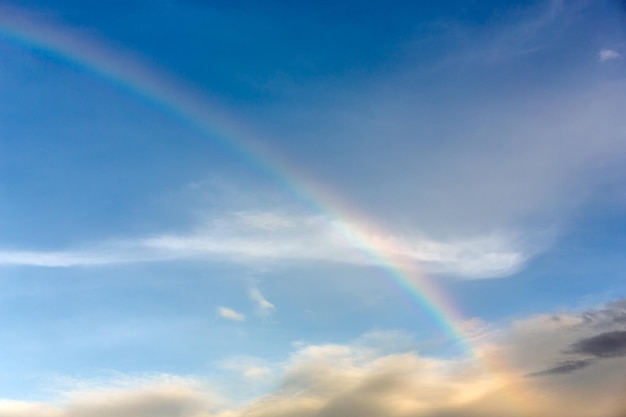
[{"x": 315, "y": 208}]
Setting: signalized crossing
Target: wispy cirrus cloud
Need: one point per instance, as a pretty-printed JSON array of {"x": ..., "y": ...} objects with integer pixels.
[
  {"x": 243, "y": 237},
  {"x": 264, "y": 307}
]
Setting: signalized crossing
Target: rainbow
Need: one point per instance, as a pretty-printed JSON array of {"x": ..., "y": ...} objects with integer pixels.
[{"x": 169, "y": 95}]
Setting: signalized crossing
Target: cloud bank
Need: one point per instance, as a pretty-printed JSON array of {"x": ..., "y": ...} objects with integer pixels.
[{"x": 374, "y": 377}]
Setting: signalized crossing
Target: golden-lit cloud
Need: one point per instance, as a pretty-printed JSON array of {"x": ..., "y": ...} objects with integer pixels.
[{"x": 545, "y": 365}]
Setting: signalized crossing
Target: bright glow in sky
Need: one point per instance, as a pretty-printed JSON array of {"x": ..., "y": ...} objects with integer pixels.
[{"x": 299, "y": 209}]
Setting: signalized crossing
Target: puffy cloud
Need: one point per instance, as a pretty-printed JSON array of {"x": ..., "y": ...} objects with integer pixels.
[
  {"x": 149, "y": 402},
  {"x": 367, "y": 379},
  {"x": 145, "y": 396},
  {"x": 10, "y": 408},
  {"x": 357, "y": 379},
  {"x": 230, "y": 314}
]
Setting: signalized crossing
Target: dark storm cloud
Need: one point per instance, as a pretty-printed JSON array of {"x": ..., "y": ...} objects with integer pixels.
[
  {"x": 564, "y": 367},
  {"x": 605, "y": 345}
]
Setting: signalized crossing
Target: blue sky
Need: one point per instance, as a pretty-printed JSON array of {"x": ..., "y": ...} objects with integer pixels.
[{"x": 151, "y": 266}]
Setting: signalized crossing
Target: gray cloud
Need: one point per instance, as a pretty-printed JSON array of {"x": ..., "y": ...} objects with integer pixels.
[
  {"x": 605, "y": 345},
  {"x": 564, "y": 367},
  {"x": 613, "y": 313},
  {"x": 151, "y": 403}
]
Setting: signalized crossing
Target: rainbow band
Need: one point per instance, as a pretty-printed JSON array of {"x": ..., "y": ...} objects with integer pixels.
[
  {"x": 172, "y": 97},
  {"x": 177, "y": 100}
]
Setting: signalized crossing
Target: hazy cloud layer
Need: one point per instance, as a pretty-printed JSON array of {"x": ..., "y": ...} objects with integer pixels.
[
  {"x": 243, "y": 237},
  {"x": 368, "y": 378},
  {"x": 468, "y": 141}
]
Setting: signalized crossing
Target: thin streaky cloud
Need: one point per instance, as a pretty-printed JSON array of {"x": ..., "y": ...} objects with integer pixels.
[
  {"x": 307, "y": 238},
  {"x": 264, "y": 307},
  {"x": 565, "y": 367}
]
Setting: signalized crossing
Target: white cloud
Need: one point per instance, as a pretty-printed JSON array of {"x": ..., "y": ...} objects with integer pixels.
[
  {"x": 298, "y": 238},
  {"x": 264, "y": 307},
  {"x": 230, "y": 314},
  {"x": 608, "y": 55},
  {"x": 320, "y": 238},
  {"x": 55, "y": 259}
]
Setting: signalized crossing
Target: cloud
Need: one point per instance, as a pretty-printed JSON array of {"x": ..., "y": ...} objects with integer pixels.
[
  {"x": 336, "y": 240},
  {"x": 230, "y": 314},
  {"x": 61, "y": 258},
  {"x": 613, "y": 314},
  {"x": 478, "y": 204},
  {"x": 425, "y": 161},
  {"x": 564, "y": 367},
  {"x": 250, "y": 368},
  {"x": 149, "y": 402},
  {"x": 608, "y": 55},
  {"x": 265, "y": 220},
  {"x": 121, "y": 395},
  {"x": 264, "y": 307},
  {"x": 368, "y": 377},
  {"x": 361, "y": 379},
  {"x": 9, "y": 408},
  {"x": 605, "y": 345},
  {"x": 243, "y": 237}
]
